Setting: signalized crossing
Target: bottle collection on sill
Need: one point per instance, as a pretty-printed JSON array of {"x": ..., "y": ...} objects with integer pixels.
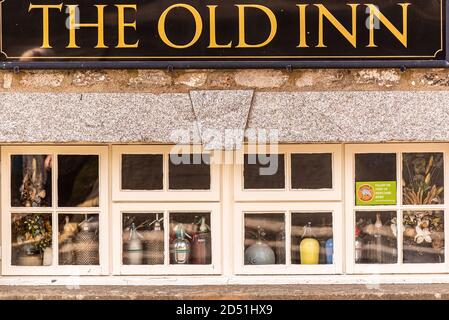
[
  {"x": 308, "y": 250},
  {"x": 190, "y": 243}
]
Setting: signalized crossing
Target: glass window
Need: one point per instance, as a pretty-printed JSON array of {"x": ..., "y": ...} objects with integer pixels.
[
  {"x": 264, "y": 238},
  {"x": 375, "y": 179},
  {"x": 399, "y": 232},
  {"x": 189, "y": 172},
  {"x": 31, "y": 239},
  {"x": 423, "y": 178},
  {"x": 264, "y": 171},
  {"x": 143, "y": 238},
  {"x": 78, "y": 239},
  {"x": 423, "y": 236},
  {"x": 312, "y": 238},
  {"x": 31, "y": 183},
  {"x": 78, "y": 181},
  {"x": 142, "y": 172},
  {"x": 376, "y": 237},
  {"x": 190, "y": 238},
  {"x": 311, "y": 171},
  {"x": 57, "y": 228}
]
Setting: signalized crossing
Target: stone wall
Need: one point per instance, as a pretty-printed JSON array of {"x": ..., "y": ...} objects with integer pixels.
[{"x": 162, "y": 81}]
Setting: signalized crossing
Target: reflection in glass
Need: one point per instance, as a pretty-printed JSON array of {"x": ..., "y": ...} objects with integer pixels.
[
  {"x": 142, "y": 172},
  {"x": 264, "y": 171},
  {"x": 143, "y": 238},
  {"x": 423, "y": 236},
  {"x": 78, "y": 181},
  {"x": 312, "y": 238},
  {"x": 78, "y": 239},
  {"x": 423, "y": 178},
  {"x": 190, "y": 238},
  {"x": 31, "y": 239},
  {"x": 264, "y": 238},
  {"x": 376, "y": 237},
  {"x": 31, "y": 180},
  {"x": 311, "y": 171},
  {"x": 189, "y": 172}
]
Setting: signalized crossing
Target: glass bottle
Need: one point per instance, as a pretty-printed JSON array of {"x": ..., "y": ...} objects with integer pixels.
[
  {"x": 260, "y": 252},
  {"x": 155, "y": 244},
  {"x": 358, "y": 246},
  {"x": 180, "y": 248},
  {"x": 201, "y": 243},
  {"x": 378, "y": 239},
  {"x": 280, "y": 247},
  {"x": 309, "y": 246},
  {"x": 134, "y": 247}
]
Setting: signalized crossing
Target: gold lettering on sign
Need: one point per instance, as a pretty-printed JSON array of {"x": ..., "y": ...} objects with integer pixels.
[
  {"x": 45, "y": 21},
  {"x": 350, "y": 36},
  {"x": 198, "y": 25},
  {"x": 73, "y": 26},
  {"x": 242, "y": 37},
  {"x": 213, "y": 30},
  {"x": 374, "y": 11},
  {"x": 302, "y": 26},
  {"x": 122, "y": 25}
]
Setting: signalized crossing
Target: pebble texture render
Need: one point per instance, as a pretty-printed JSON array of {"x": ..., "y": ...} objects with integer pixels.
[{"x": 199, "y": 116}]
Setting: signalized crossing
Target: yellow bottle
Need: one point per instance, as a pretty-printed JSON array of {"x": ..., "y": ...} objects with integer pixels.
[{"x": 309, "y": 247}]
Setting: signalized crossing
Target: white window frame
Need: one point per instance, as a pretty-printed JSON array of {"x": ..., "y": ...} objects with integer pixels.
[
  {"x": 167, "y": 269},
  {"x": 351, "y": 208},
  {"x": 165, "y": 201},
  {"x": 289, "y": 194},
  {"x": 163, "y": 195},
  {"x": 287, "y": 201},
  {"x": 287, "y": 208},
  {"x": 102, "y": 210}
]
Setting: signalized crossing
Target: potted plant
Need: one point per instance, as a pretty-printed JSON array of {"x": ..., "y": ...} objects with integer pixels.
[{"x": 34, "y": 234}]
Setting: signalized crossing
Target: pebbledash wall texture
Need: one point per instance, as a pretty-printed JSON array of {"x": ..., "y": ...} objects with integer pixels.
[{"x": 132, "y": 106}]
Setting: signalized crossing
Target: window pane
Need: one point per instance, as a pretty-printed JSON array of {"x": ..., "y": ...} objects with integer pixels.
[
  {"x": 264, "y": 171},
  {"x": 142, "y": 172},
  {"x": 143, "y": 238},
  {"x": 311, "y": 171},
  {"x": 423, "y": 236},
  {"x": 312, "y": 238},
  {"x": 375, "y": 179},
  {"x": 375, "y": 237},
  {"x": 31, "y": 181},
  {"x": 264, "y": 239},
  {"x": 78, "y": 239},
  {"x": 423, "y": 178},
  {"x": 190, "y": 238},
  {"x": 78, "y": 181},
  {"x": 31, "y": 239},
  {"x": 189, "y": 172}
]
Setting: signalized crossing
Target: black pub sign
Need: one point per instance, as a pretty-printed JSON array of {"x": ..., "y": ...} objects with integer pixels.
[{"x": 222, "y": 33}]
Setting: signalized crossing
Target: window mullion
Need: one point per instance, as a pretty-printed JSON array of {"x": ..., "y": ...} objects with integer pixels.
[{"x": 288, "y": 237}]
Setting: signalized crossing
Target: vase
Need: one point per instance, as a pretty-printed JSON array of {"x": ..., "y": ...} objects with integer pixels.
[
  {"x": 134, "y": 247},
  {"x": 47, "y": 257},
  {"x": 309, "y": 247},
  {"x": 201, "y": 244},
  {"x": 259, "y": 253},
  {"x": 86, "y": 246},
  {"x": 330, "y": 251},
  {"x": 180, "y": 248},
  {"x": 154, "y": 244},
  {"x": 29, "y": 256}
]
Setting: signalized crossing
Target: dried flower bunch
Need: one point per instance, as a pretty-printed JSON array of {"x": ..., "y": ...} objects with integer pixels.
[
  {"x": 422, "y": 175},
  {"x": 34, "y": 229},
  {"x": 423, "y": 226}
]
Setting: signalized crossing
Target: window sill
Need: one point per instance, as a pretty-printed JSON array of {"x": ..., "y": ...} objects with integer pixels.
[{"x": 229, "y": 292}]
